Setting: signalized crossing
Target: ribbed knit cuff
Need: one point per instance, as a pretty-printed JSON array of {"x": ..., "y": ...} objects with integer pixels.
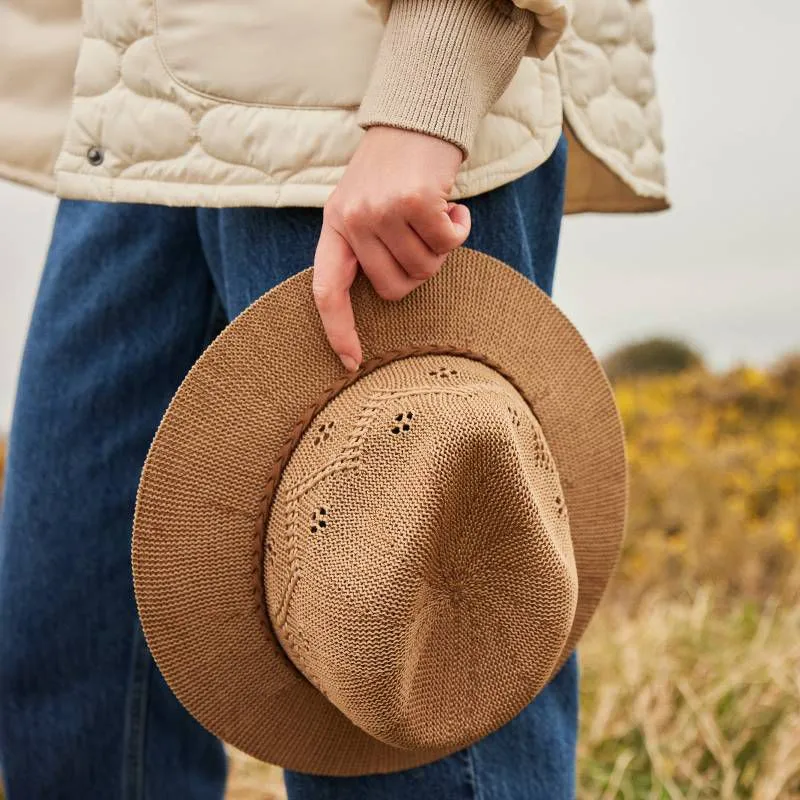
[{"x": 442, "y": 64}]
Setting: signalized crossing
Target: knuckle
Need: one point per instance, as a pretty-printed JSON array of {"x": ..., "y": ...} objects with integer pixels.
[
  {"x": 412, "y": 199},
  {"x": 332, "y": 208},
  {"x": 384, "y": 212},
  {"x": 355, "y": 214},
  {"x": 323, "y": 295}
]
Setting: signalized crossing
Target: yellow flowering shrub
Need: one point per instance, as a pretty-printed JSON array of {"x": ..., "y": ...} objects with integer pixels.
[{"x": 715, "y": 481}]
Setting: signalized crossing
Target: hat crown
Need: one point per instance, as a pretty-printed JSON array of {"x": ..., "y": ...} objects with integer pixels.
[{"x": 419, "y": 568}]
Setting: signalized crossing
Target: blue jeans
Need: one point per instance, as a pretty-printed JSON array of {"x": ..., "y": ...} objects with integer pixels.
[{"x": 129, "y": 298}]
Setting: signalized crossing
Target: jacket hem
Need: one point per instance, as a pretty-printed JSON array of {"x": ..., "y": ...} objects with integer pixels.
[
  {"x": 640, "y": 186},
  {"x": 77, "y": 186},
  {"x": 74, "y": 186},
  {"x": 34, "y": 180},
  {"x": 638, "y": 205}
]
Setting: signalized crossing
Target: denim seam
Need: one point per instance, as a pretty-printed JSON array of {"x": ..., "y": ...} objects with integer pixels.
[
  {"x": 472, "y": 774},
  {"x": 216, "y": 318},
  {"x": 135, "y": 732}
]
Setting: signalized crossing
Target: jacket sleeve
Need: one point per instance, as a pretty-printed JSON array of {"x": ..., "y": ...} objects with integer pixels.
[
  {"x": 550, "y": 21},
  {"x": 442, "y": 64}
]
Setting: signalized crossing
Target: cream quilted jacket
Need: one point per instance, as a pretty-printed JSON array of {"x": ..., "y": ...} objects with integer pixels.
[{"x": 186, "y": 102}]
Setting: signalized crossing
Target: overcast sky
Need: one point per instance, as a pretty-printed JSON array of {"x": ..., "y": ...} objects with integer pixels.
[{"x": 720, "y": 269}]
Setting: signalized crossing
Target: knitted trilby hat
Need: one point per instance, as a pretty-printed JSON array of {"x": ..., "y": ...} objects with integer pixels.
[{"x": 354, "y": 573}]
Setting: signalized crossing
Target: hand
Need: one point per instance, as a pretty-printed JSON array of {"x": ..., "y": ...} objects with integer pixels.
[{"x": 389, "y": 214}]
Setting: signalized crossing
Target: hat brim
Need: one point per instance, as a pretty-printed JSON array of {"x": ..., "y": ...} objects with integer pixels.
[{"x": 206, "y": 472}]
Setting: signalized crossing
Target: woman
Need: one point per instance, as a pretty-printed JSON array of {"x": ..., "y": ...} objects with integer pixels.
[{"x": 226, "y": 146}]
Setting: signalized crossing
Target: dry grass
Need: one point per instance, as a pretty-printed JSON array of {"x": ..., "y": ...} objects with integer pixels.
[
  {"x": 252, "y": 780},
  {"x": 692, "y": 699}
]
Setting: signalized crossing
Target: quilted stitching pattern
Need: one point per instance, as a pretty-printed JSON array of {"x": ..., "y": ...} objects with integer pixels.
[
  {"x": 164, "y": 142},
  {"x": 605, "y": 61}
]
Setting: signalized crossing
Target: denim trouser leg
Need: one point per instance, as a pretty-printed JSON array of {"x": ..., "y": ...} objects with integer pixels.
[
  {"x": 129, "y": 297},
  {"x": 124, "y": 308}
]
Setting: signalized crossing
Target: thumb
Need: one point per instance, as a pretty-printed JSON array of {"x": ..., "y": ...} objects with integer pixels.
[{"x": 461, "y": 220}]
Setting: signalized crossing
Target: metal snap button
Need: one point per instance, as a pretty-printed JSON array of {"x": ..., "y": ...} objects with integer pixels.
[{"x": 95, "y": 156}]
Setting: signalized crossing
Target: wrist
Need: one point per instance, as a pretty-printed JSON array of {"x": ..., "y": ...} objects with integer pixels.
[{"x": 421, "y": 143}]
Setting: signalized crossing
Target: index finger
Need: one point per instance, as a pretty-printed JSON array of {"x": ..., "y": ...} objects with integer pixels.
[{"x": 335, "y": 269}]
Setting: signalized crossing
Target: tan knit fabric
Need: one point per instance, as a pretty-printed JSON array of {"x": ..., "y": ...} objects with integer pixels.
[
  {"x": 442, "y": 64},
  {"x": 420, "y": 569},
  {"x": 465, "y": 501}
]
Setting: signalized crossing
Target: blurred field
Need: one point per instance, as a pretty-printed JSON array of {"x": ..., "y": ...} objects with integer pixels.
[{"x": 691, "y": 670}]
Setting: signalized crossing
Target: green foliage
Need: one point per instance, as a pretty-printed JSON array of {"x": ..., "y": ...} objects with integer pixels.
[{"x": 656, "y": 356}]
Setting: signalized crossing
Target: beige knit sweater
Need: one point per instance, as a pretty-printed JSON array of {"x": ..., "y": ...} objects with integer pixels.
[{"x": 443, "y": 63}]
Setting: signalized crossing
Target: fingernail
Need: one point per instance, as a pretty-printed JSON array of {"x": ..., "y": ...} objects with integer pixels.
[{"x": 350, "y": 364}]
